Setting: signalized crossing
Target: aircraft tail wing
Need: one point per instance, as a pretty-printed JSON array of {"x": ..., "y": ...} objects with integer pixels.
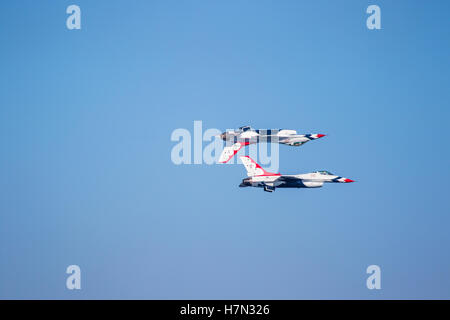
[
  {"x": 229, "y": 152},
  {"x": 254, "y": 169}
]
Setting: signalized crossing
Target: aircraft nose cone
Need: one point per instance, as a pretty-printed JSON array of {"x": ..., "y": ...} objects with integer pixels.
[
  {"x": 320, "y": 135},
  {"x": 349, "y": 180}
]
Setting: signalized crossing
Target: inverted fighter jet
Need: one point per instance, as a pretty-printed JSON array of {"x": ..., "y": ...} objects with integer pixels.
[
  {"x": 258, "y": 177},
  {"x": 246, "y": 135}
]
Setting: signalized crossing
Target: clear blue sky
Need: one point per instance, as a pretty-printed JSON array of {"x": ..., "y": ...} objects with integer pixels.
[{"x": 85, "y": 170}]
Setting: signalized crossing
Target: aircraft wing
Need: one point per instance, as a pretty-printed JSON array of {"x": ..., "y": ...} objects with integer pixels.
[
  {"x": 299, "y": 139},
  {"x": 293, "y": 141}
]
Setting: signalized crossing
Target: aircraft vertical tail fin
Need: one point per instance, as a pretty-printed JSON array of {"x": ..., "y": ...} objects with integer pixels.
[
  {"x": 254, "y": 169},
  {"x": 229, "y": 152}
]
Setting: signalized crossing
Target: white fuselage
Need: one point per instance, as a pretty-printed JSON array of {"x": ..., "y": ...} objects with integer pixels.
[
  {"x": 306, "y": 180},
  {"x": 289, "y": 137}
]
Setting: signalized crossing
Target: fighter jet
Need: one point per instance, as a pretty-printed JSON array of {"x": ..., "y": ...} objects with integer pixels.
[
  {"x": 258, "y": 177},
  {"x": 246, "y": 135}
]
